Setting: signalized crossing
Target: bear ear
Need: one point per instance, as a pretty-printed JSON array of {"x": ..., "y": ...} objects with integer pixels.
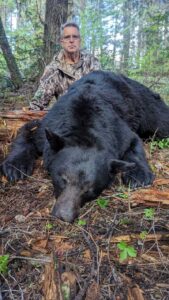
[
  {"x": 56, "y": 142},
  {"x": 116, "y": 166}
]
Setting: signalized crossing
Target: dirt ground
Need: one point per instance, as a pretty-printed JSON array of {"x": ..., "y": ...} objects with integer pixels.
[{"x": 50, "y": 259}]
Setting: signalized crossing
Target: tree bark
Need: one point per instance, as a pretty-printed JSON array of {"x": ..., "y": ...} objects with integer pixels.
[
  {"x": 114, "y": 39},
  {"x": 55, "y": 15},
  {"x": 126, "y": 35},
  {"x": 11, "y": 121},
  {"x": 9, "y": 58}
]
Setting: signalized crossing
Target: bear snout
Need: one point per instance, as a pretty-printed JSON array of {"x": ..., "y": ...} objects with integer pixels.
[
  {"x": 65, "y": 213},
  {"x": 67, "y": 205}
]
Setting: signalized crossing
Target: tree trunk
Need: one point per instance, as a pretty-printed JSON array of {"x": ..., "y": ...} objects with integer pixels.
[
  {"x": 126, "y": 35},
  {"x": 72, "y": 10},
  {"x": 55, "y": 15},
  {"x": 9, "y": 58},
  {"x": 114, "y": 39}
]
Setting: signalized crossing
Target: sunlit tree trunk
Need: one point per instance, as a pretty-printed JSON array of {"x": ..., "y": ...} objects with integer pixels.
[
  {"x": 55, "y": 15},
  {"x": 71, "y": 10},
  {"x": 9, "y": 58},
  {"x": 126, "y": 34},
  {"x": 114, "y": 39}
]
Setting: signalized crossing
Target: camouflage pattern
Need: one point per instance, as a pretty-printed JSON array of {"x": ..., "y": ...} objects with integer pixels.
[{"x": 59, "y": 75}]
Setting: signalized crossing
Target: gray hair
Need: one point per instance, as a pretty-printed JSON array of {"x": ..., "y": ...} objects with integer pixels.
[{"x": 68, "y": 24}]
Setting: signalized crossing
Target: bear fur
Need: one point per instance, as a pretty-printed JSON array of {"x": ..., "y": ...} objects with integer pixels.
[{"x": 88, "y": 136}]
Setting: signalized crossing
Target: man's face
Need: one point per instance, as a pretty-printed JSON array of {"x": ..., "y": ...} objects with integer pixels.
[{"x": 70, "y": 40}]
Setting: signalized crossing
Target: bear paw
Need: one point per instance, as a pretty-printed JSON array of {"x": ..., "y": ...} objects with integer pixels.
[
  {"x": 16, "y": 168},
  {"x": 138, "y": 178}
]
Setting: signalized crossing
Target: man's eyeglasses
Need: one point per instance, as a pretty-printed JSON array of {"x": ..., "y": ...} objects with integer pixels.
[{"x": 68, "y": 38}]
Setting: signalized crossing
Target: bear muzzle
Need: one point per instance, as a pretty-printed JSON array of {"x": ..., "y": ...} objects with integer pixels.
[{"x": 67, "y": 205}]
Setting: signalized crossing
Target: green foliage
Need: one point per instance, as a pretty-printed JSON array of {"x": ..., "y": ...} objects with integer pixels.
[
  {"x": 91, "y": 22},
  {"x": 4, "y": 260},
  {"x": 49, "y": 226},
  {"x": 126, "y": 251},
  {"x": 149, "y": 213},
  {"x": 161, "y": 144},
  {"x": 10, "y": 4},
  {"x": 122, "y": 195},
  {"x": 25, "y": 36},
  {"x": 2, "y": 66},
  {"x": 66, "y": 291},
  {"x": 102, "y": 203},
  {"x": 81, "y": 222},
  {"x": 143, "y": 234}
]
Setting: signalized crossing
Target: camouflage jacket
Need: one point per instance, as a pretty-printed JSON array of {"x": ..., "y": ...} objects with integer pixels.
[{"x": 58, "y": 76}]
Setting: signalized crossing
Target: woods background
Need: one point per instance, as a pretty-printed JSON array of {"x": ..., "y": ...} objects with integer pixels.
[
  {"x": 41, "y": 257},
  {"x": 128, "y": 36}
]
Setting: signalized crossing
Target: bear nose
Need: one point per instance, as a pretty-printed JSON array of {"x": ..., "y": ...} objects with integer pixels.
[
  {"x": 68, "y": 204},
  {"x": 65, "y": 212}
]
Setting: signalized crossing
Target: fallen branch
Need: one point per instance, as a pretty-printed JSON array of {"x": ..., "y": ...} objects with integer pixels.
[
  {"x": 135, "y": 293},
  {"x": 148, "y": 238},
  {"x": 41, "y": 260},
  {"x": 11, "y": 121},
  {"x": 151, "y": 196}
]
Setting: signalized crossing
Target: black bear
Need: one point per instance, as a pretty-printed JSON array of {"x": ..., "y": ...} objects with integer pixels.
[{"x": 88, "y": 136}]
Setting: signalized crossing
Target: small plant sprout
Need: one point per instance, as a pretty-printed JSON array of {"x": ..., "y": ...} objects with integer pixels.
[
  {"x": 162, "y": 144},
  {"x": 4, "y": 260},
  {"x": 126, "y": 251},
  {"x": 49, "y": 226},
  {"x": 143, "y": 234},
  {"x": 102, "y": 202},
  {"x": 149, "y": 213},
  {"x": 81, "y": 222},
  {"x": 122, "y": 195}
]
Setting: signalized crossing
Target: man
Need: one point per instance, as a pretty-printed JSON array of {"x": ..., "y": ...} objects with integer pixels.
[{"x": 70, "y": 65}]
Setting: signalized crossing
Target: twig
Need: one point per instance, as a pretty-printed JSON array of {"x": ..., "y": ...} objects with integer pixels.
[
  {"x": 10, "y": 290},
  {"x": 95, "y": 263},
  {"x": 155, "y": 82},
  {"x": 111, "y": 229},
  {"x": 94, "y": 252},
  {"x": 2, "y": 232},
  {"x": 39, "y": 260},
  {"x": 57, "y": 272},
  {"x": 87, "y": 212},
  {"x": 21, "y": 291},
  {"x": 159, "y": 251},
  {"x": 82, "y": 292},
  {"x": 113, "y": 270}
]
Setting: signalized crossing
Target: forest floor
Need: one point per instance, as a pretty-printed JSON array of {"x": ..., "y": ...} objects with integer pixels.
[{"x": 118, "y": 248}]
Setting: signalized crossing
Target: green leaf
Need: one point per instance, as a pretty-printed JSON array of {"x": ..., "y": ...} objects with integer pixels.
[
  {"x": 123, "y": 255},
  {"x": 143, "y": 234},
  {"x": 66, "y": 291},
  {"x": 4, "y": 260},
  {"x": 49, "y": 226},
  {"x": 122, "y": 245},
  {"x": 131, "y": 251},
  {"x": 81, "y": 222},
  {"x": 164, "y": 143},
  {"x": 122, "y": 195},
  {"x": 149, "y": 213},
  {"x": 126, "y": 251},
  {"x": 102, "y": 203}
]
